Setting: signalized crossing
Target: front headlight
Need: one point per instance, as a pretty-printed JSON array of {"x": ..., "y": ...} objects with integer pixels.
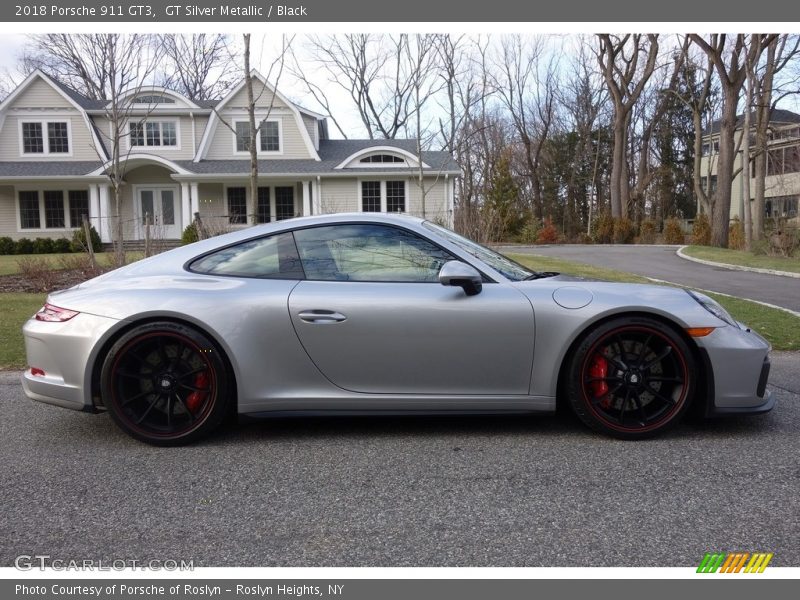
[{"x": 714, "y": 308}]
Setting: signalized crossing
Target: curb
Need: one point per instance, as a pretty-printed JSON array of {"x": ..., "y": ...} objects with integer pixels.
[
  {"x": 761, "y": 302},
  {"x": 710, "y": 263}
]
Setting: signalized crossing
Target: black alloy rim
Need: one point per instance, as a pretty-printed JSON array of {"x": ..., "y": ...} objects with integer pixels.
[
  {"x": 635, "y": 379},
  {"x": 163, "y": 384}
]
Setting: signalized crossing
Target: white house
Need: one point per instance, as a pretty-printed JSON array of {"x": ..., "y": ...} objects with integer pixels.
[{"x": 182, "y": 157}]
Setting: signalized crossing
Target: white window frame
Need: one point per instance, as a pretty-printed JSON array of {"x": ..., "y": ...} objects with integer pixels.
[
  {"x": 403, "y": 164},
  {"x": 65, "y": 190},
  {"x": 260, "y": 152},
  {"x": 247, "y": 203},
  {"x": 383, "y": 192},
  {"x": 143, "y": 123},
  {"x": 45, "y": 137}
]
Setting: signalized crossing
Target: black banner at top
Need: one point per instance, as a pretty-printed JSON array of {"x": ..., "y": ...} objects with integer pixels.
[{"x": 449, "y": 11}]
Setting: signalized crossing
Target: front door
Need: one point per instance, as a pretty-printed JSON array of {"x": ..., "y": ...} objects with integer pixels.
[
  {"x": 161, "y": 205},
  {"x": 373, "y": 317}
]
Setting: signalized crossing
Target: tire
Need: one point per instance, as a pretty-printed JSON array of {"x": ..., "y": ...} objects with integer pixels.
[
  {"x": 631, "y": 378},
  {"x": 165, "y": 384}
]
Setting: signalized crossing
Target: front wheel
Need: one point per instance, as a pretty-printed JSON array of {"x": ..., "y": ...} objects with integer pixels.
[
  {"x": 631, "y": 378},
  {"x": 165, "y": 384}
]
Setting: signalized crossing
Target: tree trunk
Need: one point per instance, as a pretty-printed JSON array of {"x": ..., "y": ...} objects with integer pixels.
[
  {"x": 748, "y": 215},
  {"x": 251, "y": 115},
  {"x": 619, "y": 171},
  {"x": 720, "y": 202}
]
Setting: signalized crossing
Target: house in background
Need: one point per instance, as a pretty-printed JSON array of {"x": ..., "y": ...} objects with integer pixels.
[
  {"x": 782, "y": 189},
  {"x": 182, "y": 157}
]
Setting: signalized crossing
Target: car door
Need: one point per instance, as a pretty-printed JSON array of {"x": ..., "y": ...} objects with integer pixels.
[{"x": 373, "y": 317}]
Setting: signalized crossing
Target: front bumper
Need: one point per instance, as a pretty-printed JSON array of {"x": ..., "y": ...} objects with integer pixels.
[{"x": 737, "y": 371}]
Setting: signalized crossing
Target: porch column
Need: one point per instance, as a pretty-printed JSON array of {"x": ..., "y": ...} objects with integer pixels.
[
  {"x": 194, "y": 199},
  {"x": 94, "y": 207},
  {"x": 316, "y": 201},
  {"x": 306, "y": 199},
  {"x": 186, "y": 206},
  {"x": 106, "y": 221}
]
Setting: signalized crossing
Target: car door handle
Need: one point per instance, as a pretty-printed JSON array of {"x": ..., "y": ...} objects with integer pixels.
[{"x": 321, "y": 316}]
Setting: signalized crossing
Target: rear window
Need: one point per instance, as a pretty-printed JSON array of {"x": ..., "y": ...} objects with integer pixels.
[{"x": 273, "y": 257}]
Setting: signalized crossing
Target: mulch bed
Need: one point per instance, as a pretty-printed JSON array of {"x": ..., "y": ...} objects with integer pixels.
[{"x": 46, "y": 282}]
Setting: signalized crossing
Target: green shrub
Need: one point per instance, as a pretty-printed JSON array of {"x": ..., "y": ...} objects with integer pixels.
[
  {"x": 24, "y": 246},
  {"x": 701, "y": 231},
  {"x": 603, "y": 228},
  {"x": 42, "y": 246},
  {"x": 673, "y": 232},
  {"x": 7, "y": 245},
  {"x": 62, "y": 246},
  {"x": 189, "y": 235},
  {"x": 736, "y": 239},
  {"x": 79, "y": 240},
  {"x": 624, "y": 231},
  {"x": 647, "y": 232}
]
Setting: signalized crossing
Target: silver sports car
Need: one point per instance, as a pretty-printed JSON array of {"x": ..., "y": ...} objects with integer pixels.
[{"x": 373, "y": 313}]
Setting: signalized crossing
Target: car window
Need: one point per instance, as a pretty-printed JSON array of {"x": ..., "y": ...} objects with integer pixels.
[
  {"x": 502, "y": 264},
  {"x": 273, "y": 257},
  {"x": 368, "y": 253}
]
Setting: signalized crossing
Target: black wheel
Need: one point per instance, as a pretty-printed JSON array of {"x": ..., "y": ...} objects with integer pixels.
[
  {"x": 165, "y": 384},
  {"x": 631, "y": 378}
]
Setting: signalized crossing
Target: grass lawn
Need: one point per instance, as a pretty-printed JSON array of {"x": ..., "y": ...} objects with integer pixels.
[
  {"x": 744, "y": 259},
  {"x": 779, "y": 327},
  {"x": 17, "y": 308},
  {"x": 9, "y": 262}
]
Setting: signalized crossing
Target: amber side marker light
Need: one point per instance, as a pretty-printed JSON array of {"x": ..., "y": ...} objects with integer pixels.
[{"x": 699, "y": 331}]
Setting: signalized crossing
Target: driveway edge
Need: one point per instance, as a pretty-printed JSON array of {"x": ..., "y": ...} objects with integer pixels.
[{"x": 711, "y": 263}]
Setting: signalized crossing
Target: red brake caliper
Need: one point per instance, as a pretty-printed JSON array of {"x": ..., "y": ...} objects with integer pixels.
[
  {"x": 599, "y": 368},
  {"x": 195, "y": 400}
]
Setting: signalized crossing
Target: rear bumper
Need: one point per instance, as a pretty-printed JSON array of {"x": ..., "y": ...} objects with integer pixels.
[{"x": 54, "y": 390}]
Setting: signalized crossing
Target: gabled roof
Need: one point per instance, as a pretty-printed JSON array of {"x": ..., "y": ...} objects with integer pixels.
[
  {"x": 83, "y": 101},
  {"x": 213, "y": 121},
  {"x": 779, "y": 117}
]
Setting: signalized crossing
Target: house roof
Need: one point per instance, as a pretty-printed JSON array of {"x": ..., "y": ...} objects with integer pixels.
[
  {"x": 779, "y": 116},
  {"x": 83, "y": 101},
  {"x": 51, "y": 168},
  {"x": 331, "y": 153}
]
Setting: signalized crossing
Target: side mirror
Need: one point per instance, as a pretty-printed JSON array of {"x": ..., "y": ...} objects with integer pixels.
[{"x": 461, "y": 274}]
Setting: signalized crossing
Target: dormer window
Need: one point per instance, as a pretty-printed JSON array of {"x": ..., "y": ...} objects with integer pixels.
[
  {"x": 45, "y": 137},
  {"x": 153, "y": 99},
  {"x": 269, "y": 137},
  {"x": 154, "y": 134},
  {"x": 382, "y": 158}
]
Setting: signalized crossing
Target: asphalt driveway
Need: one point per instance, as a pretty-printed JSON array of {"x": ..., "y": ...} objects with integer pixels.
[
  {"x": 662, "y": 262},
  {"x": 455, "y": 491}
]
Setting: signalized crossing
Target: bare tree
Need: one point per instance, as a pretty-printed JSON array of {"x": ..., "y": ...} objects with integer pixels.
[
  {"x": 619, "y": 60},
  {"x": 526, "y": 88},
  {"x": 730, "y": 63},
  {"x": 374, "y": 71},
  {"x": 200, "y": 65}
]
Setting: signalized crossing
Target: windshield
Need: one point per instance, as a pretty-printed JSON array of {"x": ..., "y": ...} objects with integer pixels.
[{"x": 508, "y": 268}]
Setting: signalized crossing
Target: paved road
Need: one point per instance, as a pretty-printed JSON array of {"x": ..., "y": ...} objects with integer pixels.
[
  {"x": 662, "y": 263},
  {"x": 467, "y": 491}
]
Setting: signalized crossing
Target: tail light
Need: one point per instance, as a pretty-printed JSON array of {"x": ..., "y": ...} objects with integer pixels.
[{"x": 54, "y": 314}]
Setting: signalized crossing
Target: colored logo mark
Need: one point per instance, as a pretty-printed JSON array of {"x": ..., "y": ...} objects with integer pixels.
[{"x": 734, "y": 562}]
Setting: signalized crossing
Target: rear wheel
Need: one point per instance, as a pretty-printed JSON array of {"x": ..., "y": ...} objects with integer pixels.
[
  {"x": 165, "y": 384},
  {"x": 631, "y": 378}
]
